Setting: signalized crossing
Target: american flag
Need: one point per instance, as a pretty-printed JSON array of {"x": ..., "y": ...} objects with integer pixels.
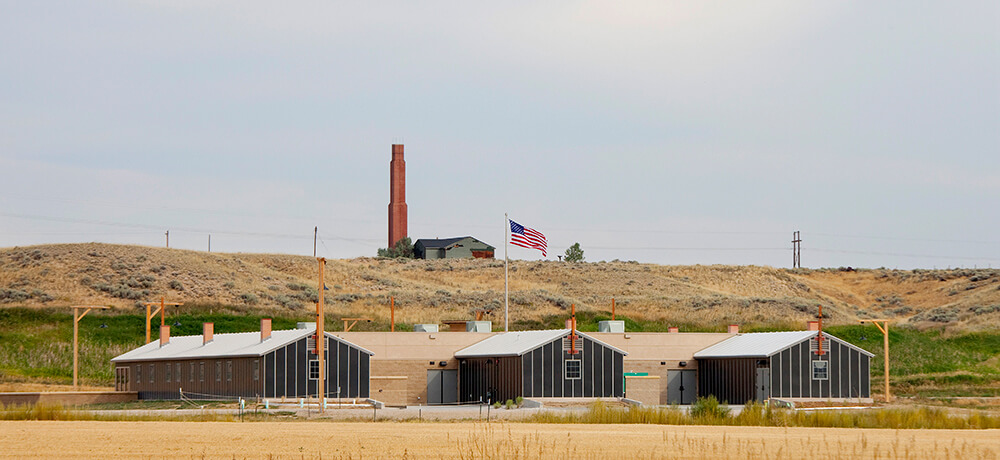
[{"x": 527, "y": 237}]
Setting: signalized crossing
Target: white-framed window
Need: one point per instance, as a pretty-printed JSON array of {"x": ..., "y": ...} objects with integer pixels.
[
  {"x": 201, "y": 371},
  {"x": 313, "y": 369},
  {"x": 821, "y": 370},
  {"x": 191, "y": 374},
  {"x": 256, "y": 370},
  {"x": 177, "y": 375},
  {"x": 229, "y": 371},
  {"x": 574, "y": 369},
  {"x": 218, "y": 371},
  {"x": 170, "y": 373},
  {"x": 152, "y": 371}
]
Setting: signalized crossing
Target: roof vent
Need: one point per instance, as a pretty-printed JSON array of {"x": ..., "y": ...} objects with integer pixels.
[
  {"x": 478, "y": 326},
  {"x": 673, "y": 329},
  {"x": 734, "y": 329},
  {"x": 611, "y": 326}
]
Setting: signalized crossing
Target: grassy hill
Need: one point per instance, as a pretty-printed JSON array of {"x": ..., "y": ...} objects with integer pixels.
[
  {"x": 428, "y": 291},
  {"x": 946, "y": 323}
]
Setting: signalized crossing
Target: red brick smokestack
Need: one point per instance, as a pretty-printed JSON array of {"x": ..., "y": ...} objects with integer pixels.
[{"x": 397, "y": 195}]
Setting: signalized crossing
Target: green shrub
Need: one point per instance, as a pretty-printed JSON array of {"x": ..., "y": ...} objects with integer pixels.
[
  {"x": 496, "y": 405},
  {"x": 509, "y": 404},
  {"x": 709, "y": 409},
  {"x": 519, "y": 401},
  {"x": 175, "y": 285}
]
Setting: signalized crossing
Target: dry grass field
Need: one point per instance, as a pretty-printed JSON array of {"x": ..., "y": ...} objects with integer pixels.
[
  {"x": 430, "y": 291},
  {"x": 328, "y": 440}
]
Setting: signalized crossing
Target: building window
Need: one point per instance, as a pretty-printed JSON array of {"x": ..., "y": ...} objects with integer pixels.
[
  {"x": 170, "y": 372},
  {"x": 311, "y": 344},
  {"x": 313, "y": 369},
  {"x": 191, "y": 374},
  {"x": 201, "y": 371},
  {"x": 573, "y": 369},
  {"x": 229, "y": 371},
  {"x": 821, "y": 370},
  {"x": 152, "y": 370},
  {"x": 178, "y": 373},
  {"x": 256, "y": 370},
  {"x": 218, "y": 371},
  {"x": 138, "y": 374}
]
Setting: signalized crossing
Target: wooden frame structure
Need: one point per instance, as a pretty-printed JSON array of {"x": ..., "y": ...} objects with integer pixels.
[
  {"x": 161, "y": 310},
  {"x": 76, "y": 337},
  {"x": 884, "y": 328}
]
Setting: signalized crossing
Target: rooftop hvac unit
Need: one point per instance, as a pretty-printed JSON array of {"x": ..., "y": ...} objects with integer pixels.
[
  {"x": 611, "y": 326},
  {"x": 425, "y": 328}
]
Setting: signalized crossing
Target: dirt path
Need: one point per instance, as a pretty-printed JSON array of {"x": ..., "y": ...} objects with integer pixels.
[{"x": 330, "y": 440}]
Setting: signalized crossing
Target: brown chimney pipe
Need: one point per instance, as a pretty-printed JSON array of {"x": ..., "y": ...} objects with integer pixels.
[
  {"x": 265, "y": 329},
  {"x": 734, "y": 329},
  {"x": 397, "y": 195},
  {"x": 164, "y": 335},
  {"x": 207, "y": 331},
  {"x": 813, "y": 326},
  {"x": 673, "y": 329}
]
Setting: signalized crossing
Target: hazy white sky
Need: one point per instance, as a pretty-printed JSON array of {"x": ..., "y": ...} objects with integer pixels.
[{"x": 667, "y": 132}]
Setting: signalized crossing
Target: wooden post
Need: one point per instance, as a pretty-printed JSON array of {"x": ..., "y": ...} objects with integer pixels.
[
  {"x": 76, "y": 346},
  {"x": 320, "y": 338},
  {"x": 147, "y": 322},
  {"x": 392, "y": 314},
  {"x": 572, "y": 333},
  {"x": 612, "y": 309}
]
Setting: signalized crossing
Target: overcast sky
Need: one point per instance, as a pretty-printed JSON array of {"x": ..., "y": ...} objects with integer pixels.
[{"x": 667, "y": 132}]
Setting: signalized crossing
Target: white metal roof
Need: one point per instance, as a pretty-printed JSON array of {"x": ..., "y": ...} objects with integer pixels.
[
  {"x": 518, "y": 343},
  {"x": 762, "y": 344},
  {"x": 222, "y": 345}
]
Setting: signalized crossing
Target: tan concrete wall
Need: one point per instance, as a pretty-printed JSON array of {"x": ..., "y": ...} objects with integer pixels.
[
  {"x": 658, "y": 345},
  {"x": 74, "y": 398},
  {"x": 437, "y": 346},
  {"x": 390, "y": 390},
  {"x": 654, "y": 368},
  {"x": 646, "y": 390},
  {"x": 415, "y": 372}
]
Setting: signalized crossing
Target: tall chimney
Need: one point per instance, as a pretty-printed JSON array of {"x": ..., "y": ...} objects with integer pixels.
[
  {"x": 734, "y": 329},
  {"x": 207, "y": 330},
  {"x": 397, "y": 195},
  {"x": 265, "y": 329},
  {"x": 164, "y": 335}
]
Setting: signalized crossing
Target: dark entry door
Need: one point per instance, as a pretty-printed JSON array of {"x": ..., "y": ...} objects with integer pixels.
[
  {"x": 680, "y": 387},
  {"x": 442, "y": 386},
  {"x": 763, "y": 383}
]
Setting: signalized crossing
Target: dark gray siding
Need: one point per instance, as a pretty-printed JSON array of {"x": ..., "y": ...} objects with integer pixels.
[
  {"x": 286, "y": 371},
  {"x": 541, "y": 373},
  {"x": 235, "y": 379},
  {"x": 598, "y": 374},
  {"x": 730, "y": 380},
  {"x": 848, "y": 375}
]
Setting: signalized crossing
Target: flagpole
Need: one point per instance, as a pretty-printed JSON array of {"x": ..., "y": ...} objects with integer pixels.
[{"x": 506, "y": 291}]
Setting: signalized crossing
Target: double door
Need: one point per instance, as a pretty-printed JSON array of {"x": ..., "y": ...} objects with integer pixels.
[{"x": 442, "y": 386}]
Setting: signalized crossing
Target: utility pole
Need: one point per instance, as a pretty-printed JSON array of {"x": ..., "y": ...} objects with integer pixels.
[
  {"x": 796, "y": 250},
  {"x": 76, "y": 334},
  {"x": 320, "y": 335},
  {"x": 315, "y": 234},
  {"x": 168, "y": 238}
]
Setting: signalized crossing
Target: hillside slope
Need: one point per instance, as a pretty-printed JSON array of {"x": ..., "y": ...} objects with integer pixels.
[{"x": 431, "y": 291}]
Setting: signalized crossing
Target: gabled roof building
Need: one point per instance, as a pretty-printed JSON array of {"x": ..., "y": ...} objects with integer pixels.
[{"x": 463, "y": 247}]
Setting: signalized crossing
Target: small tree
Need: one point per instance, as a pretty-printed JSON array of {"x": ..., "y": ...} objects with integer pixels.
[
  {"x": 402, "y": 248},
  {"x": 574, "y": 253}
]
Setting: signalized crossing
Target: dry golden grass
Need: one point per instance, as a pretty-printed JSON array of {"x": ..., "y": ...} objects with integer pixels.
[
  {"x": 430, "y": 291},
  {"x": 311, "y": 440}
]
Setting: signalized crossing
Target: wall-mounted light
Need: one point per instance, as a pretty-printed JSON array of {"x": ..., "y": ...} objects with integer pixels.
[
  {"x": 432, "y": 363},
  {"x": 682, "y": 364},
  {"x": 443, "y": 363},
  {"x": 663, "y": 363}
]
